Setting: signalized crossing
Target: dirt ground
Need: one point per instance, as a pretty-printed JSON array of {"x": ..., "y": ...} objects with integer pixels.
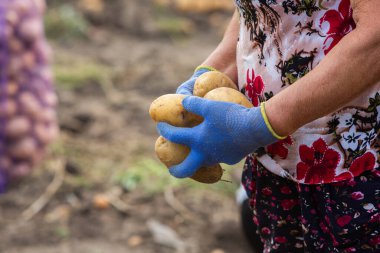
[{"x": 131, "y": 54}]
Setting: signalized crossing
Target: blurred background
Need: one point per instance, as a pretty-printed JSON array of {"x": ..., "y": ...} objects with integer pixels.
[{"x": 101, "y": 188}]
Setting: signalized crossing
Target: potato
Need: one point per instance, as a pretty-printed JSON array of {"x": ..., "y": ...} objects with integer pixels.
[
  {"x": 30, "y": 104},
  {"x": 12, "y": 17},
  {"x": 101, "y": 201},
  {"x": 45, "y": 133},
  {"x": 208, "y": 175},
  {"x": 17, "y": 127},
  {"x": 12, "y": 88},
  {"x": 14, "y": 66},
  {"x": 41, "y": 5},
  {"x": 228, "y": 95},
  {"x": 168, "y": 108},
  {"x": 23, "y": 149},
  {"x": 212, "y": 80},
  {"x": 31, "y": 29},
  {"x": 50, "y": 98},
  {"x": 8, "y": 108},
  {"x": 29, "y": 60},
  {"x": 48, "y": 116},
  {"x": 171, "y": 154},
  {"x": 15, "y": 45}
]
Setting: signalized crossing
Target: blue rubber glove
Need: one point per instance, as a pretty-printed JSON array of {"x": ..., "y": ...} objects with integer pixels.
[
  {"x": 228, "y": 133},
  {"x": 187, "y": 87}
]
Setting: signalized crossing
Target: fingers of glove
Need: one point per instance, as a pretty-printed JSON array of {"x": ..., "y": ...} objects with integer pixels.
[
  {"x": 187, "y": 87},
  {"x": 232, "y": 160},
  {"x": 197, "y": 105},
  {"x": 188, "y": 167},
  {"x": 206, "y": 108},
  {"x": 185, "y": 90},
  {"x": 180, "y": 135}
]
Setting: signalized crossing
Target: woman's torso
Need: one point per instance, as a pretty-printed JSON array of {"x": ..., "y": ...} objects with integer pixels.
[{"x": 281, "y": 41}]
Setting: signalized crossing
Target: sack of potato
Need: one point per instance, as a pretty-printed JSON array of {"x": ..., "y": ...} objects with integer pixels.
[
  {"x": 168, "y": 108},
  {"x": 27, "y": 99}
]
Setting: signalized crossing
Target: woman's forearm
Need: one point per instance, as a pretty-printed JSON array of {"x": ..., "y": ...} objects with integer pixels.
[
  {"x": 348, "y": 70},
  {"x": 223, "y": 58}
]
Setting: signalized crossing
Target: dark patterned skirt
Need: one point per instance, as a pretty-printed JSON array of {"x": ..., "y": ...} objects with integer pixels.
[{"x": 338, "y": 217}]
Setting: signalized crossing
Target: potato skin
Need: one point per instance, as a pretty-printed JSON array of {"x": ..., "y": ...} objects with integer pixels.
[
  {"x": 212, "y": 80},
  {"x": 208, "y": 175},
  {"x": 168, "y": 108},
  {"x": 171, "y": 154},
  {"x": 225, "y": 94}
]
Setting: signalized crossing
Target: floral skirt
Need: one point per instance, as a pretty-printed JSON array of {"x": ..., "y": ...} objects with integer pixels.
[{"x": 338, "y": 217}]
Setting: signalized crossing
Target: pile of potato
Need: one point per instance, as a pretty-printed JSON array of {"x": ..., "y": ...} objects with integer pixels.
[
  {"x": 27, "y": 99},
  {"x": 168, "y": 108}
]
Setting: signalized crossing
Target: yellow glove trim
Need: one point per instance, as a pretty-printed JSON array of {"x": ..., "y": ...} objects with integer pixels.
[
  {"x": 265, "y": 117},
  {"x": 205, "y": 67}
]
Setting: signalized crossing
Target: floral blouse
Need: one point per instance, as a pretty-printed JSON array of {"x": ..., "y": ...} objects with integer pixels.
[{"x": 281, "y": 41}]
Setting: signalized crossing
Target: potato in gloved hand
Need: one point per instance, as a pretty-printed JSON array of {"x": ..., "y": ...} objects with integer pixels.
[
  {"x": 169, "y": 109},
  {"x": 171, "y": 154}
]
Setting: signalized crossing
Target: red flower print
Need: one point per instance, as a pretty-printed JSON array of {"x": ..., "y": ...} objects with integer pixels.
[
  {"x": 363, "y": 163},
  {"x": 351, "y": 183},
  {"x": 343, "y": 220},
  {"x": 351, "y": 249},
  {"x": 324, "y": 227},
  {"x": 285, "y": 190},
  {"x": 279, "y": 148},
  {"x": 318, "y": 163},
  {"x": 254, "y": 87},
  {"x": 375, "y": 218},
  {"x": 288, "y": 204},
  {"x": 375, "y": 240},
  {"x": 266, "y": 191},
  {"x": 280, "y": 239},
  {"x": 265, "y": 231},
  {"x": 343, "y": 176},
  {"x": 255, "y": 220},
  {"x": 341, "y": 23},
  {"x": 357, "y": 195}
]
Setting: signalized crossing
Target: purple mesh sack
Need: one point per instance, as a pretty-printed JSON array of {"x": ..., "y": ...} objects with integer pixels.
[{"x": 27, "y": 99}]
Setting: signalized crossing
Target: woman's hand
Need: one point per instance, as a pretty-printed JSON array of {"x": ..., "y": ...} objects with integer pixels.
[{"x": 228, "y": 133}]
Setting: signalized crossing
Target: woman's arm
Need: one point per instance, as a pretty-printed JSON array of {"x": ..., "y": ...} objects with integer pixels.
[
  {"x": 350, "y": 68},
  {"x": 223, "y": 58}
]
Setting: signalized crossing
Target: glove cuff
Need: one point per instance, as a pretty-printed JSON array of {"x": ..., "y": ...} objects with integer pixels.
[
  {"x": 267, "y": 123},
  {"x": 209, "y": 68}
]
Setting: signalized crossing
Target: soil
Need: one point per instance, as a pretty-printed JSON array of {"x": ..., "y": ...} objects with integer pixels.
[{"x": 106, "y": 128}]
